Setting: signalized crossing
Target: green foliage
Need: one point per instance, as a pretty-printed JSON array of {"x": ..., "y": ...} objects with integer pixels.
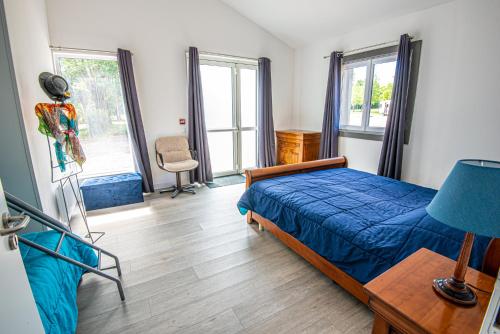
[
  {"x": 387, "y": 91},
  {"x": 358, "y": 94},
  {"x": 96, "y": 94},
  {"x": 379, "y": 93}
]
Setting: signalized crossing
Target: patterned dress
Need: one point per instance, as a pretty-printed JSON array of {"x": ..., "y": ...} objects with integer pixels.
[{"x": 59, "y": 121}]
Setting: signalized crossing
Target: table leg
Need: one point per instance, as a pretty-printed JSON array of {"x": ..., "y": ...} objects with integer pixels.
[{"x": 380, "y": 326}]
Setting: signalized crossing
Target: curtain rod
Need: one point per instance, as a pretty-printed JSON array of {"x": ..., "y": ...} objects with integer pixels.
[
  {"x": 389, "y": 43},
  {"x": 223, "y": 55},
  {"x": 61, "y": 48}
]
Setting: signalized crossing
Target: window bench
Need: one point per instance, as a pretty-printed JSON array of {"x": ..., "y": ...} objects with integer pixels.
[{"x": 112, "y": 190}]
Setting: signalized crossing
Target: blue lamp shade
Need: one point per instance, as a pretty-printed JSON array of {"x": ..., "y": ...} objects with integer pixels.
[{"x": 470, "y": 198}]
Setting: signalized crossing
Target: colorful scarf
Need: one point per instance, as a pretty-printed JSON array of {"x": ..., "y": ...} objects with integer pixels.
[{"x": 59, "y": 121}]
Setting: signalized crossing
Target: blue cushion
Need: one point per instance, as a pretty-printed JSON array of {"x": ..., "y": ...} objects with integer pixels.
[
  {"x": 112, "y": 190},
  {"x": 54, "y": 281}
]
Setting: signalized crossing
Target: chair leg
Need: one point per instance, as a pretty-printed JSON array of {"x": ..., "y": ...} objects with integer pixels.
[
  {"x": 178, "y": 180},
  {"x": 179, "y": 188},
  {"x": 191, "y": 191},
  {"x": 168, "y": 190}
]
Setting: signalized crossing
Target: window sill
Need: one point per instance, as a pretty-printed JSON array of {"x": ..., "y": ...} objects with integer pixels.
[{"x": 375, "y": 136}]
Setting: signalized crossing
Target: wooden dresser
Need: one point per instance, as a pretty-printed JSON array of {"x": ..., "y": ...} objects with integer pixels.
[{"x": 295, "y": 146}]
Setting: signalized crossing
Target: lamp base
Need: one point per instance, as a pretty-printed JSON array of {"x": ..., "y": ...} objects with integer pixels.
[{"x": 455, "y": 291}]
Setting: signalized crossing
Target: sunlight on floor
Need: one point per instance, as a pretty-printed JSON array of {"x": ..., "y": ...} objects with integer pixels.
[{"x": 129, "y": 213}]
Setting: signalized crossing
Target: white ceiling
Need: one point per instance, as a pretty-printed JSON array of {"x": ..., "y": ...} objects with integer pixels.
[{"x": 299, "y": 22}]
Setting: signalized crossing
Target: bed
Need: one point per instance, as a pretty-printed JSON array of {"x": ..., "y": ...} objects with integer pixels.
[
  {"x": 351, "y": 225},
  {"x": 54, "y": 281}
]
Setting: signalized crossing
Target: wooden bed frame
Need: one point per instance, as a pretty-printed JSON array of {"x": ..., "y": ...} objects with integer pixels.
[{"x": 491, "y": 259}]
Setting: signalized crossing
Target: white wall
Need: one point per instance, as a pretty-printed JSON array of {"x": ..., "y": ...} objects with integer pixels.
[
  {"x": 456, "y": 114},
  {"x": 158, "y": 32},
  {"x": 29, "y": 41}
]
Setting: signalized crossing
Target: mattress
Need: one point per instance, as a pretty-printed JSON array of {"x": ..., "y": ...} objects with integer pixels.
[
  {"x": 362, "y": 223},
  {"x": 53, "y": 281}
]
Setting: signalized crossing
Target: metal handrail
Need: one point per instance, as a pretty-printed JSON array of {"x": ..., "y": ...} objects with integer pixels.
[{"x": 44, "y": 219}]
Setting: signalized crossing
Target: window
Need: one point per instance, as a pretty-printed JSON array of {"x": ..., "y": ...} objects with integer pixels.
[
  {"x": 230, "y": 101},
  {"x": 96, "y": 93},
  {"x": 366, "y": 93},
  {"x": 367, "y": 80}
]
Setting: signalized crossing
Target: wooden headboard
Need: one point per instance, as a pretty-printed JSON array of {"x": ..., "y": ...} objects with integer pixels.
[{"x": 257, "y": 174}]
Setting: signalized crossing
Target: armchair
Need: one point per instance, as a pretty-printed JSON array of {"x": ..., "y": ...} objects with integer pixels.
[{"x": 173, "y": 155}]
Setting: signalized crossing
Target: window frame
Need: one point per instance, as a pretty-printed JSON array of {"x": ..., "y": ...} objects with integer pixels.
[
  {"x": 81, "y": 54},
  {"x": 346, "y": 88},
  {"x": 236, "y": 64},
  {"x": 416, "y": 51}
]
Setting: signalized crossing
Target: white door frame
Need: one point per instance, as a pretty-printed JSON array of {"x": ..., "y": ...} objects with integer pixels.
[
  {"x": 236, "y": 128},
  {"x": 18, "y": 311}
]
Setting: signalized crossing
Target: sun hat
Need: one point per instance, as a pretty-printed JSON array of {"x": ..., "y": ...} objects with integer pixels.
[{"x": 55, "y": 86}]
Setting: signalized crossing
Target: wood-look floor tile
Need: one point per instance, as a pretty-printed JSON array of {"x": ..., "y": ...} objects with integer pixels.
[
  {"x": 126, "y": 314},
  {"x": 96, "y": 302},
  {"x": 193, "y": 265},
  {"x": 225, "y": 322}
]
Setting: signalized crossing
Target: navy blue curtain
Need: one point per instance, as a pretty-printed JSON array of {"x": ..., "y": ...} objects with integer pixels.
[
  {"x": 266, "y": 149},
  {"x": 135, "y": 126},
  {"x": 391, "y": 157},
  {"x": 197, "y": 132},
  {"x": 330, "y": 133}
]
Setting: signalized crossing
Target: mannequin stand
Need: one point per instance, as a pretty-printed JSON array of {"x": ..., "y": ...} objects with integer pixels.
[{"x": 64, "y": 179}]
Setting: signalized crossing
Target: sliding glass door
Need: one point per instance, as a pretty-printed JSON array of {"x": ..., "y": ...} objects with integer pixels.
[{"x": 230, "y": 100}]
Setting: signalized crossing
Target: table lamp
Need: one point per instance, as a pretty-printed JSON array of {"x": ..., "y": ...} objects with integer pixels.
[{"x": 469, "y": 200}]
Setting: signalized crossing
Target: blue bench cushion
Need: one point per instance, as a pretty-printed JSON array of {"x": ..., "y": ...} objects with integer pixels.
[{"x": 112, "y": 190}]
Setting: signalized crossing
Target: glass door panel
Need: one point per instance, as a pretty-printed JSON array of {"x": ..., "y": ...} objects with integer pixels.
[
  {"x": 218, "y": 97},
  {"x": 248, "y": 97},
  {"x": 221, "y": 146},
  {"x": 248, "y": 149},
  {"x": 217, "y": 84}
]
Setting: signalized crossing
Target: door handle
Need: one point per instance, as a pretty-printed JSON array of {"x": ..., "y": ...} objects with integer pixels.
[{"x": 12, "y": 224}]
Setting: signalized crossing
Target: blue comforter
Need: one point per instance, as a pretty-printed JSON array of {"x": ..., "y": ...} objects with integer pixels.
[
  {"x": 53, "y": 281},
  {"x": 362, "y": 223}
]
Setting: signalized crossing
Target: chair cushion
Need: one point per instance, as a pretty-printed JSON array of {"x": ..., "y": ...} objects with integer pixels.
[
  {"x": 176, "y": 156},
  {"x": 173, "y": 148},
  {"x": 180, "y": 166}
]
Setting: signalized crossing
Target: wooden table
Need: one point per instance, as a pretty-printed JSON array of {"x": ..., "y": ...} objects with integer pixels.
[{"x": 403, "y": 299}]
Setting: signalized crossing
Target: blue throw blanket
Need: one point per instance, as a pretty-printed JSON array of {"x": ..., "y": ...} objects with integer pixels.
[
  {"x": 362, "y": 223},
  {"x": 53, "y": 281}
]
